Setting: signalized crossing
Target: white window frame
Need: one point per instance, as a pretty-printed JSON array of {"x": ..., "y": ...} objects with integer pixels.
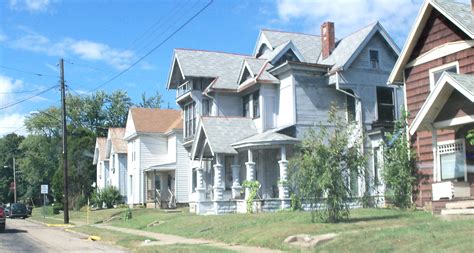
[
  {"x": 438, "y": 68},
  {"x": 438, "y": 157},
  {"x": 370, "y": 61}
]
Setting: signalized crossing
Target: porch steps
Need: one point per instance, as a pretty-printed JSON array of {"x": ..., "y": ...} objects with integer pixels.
[{"x": 459, "y": 207}]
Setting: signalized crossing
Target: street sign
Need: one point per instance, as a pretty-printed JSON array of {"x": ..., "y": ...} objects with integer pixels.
[{"x": 44, "y": 189}]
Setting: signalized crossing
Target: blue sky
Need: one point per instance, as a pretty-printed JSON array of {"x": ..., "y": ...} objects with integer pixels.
[{"x": 101, "y": 38}]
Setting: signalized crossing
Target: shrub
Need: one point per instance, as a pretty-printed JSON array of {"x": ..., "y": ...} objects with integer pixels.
[{"x": 109, "y": 196}]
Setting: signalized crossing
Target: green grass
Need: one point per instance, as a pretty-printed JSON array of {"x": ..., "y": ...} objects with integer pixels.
[
  {"x": 76, "y": 217},
  {"x": 368, "y": 230},
  {"x": 182, "y": 248}
]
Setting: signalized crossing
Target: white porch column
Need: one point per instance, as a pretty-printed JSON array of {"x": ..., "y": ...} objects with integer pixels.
[
  {"x": 200, "y": 189},
  {"x": 250, "y": 166},
  {"x": 282, "y": 185},
  {"x": 218, "y": 179},
  {"x": 236, "y": 178}
]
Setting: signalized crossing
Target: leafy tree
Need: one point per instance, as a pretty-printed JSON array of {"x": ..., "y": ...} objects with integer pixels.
[
  {"x": 326, "y": 168},
  {"x": 400, "y": 172},
  {"x": 9, "y": 149},
  {"x": 117, "y": 108},
  {"x": 46, "y": 122},
  {"x": 151, "y": 102}
]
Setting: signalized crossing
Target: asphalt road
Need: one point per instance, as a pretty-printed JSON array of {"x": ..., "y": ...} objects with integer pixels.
[{"x": 25, "y": 236}]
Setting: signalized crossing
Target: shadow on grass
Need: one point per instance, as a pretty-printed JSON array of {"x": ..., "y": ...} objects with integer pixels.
[{"x": 373, "y": 218}]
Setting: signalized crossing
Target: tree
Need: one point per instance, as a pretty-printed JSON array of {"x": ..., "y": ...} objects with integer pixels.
[
  {"x": 326, "y": 168},
  {"x": 151, "y": 102},
  {"x": 400, "y": 172},
  {"x": 117, "y": 108},
  {"x": 9, "y": 149}
]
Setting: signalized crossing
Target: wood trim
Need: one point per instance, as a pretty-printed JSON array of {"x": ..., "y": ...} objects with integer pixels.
[
  {"x": 441, "y": 51},
  {"x": 454, "y": 122}
]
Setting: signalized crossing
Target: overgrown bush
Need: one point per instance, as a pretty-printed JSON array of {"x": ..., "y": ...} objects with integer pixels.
[
  {"x": 109, "y": 196},
  {"x": 253, "y": 187},
  {"x": 326, "y": 168},
  {"x": 400, "y": 172}
]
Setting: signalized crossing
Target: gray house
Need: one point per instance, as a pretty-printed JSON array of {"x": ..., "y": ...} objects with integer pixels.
[{"x": 243, "y": 114}]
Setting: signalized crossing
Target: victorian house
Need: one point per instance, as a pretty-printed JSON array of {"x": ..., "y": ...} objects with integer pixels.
[{"x": 243, "y": 114}]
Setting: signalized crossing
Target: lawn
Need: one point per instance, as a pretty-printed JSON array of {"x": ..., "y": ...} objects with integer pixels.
[
  {"x": 75, "y": 217},
  {"x": 368, "y": 230}
]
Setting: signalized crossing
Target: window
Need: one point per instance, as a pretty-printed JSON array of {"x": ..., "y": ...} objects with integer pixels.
[
  {"x": 194, "y": 180},
  {"x": 385, "y": 105},
  {"x": 246, "y": 106},
  {"x": 245, "y": 76},
  {"x": 350, "y": 106},
  {"x": 288, "y": 56},
  {"x": 228, "y": 172},
  {"x": 190, "y": 119},
  {"x": 452, "y": 160},
  {"x": 256, "y": 104},
  {"x": 374, "y": 59},
  {"x": 206, "y": 107},
  {"x": 435, "y": 73}
]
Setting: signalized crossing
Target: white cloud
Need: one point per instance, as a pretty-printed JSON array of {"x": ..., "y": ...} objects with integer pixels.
[
  {"x": 9, "y": 119},
  {"x": 8, "y": 85},
  {"x": 12, "y": 123},
  {"x": 31, "y": 5},
  {"x": 84, "y": 49},
  {"x": 397, "y": 16}
]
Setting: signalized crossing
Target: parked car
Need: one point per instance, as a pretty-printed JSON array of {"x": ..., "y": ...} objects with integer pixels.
[
  {"x": 2, "y": 219},
  {"x": 17, "y": 210}
]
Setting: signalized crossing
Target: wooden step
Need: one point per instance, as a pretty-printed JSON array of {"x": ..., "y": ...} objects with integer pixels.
[
  {"x": 460, "y": 204},
  {"x": 457, "y": 212}
]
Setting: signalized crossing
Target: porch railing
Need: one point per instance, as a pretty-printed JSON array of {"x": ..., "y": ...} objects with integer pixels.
[
  {"x": 172, "y": 199},
  {"x": 184, "y": 88},
  {"x": 157, "y": 198}
]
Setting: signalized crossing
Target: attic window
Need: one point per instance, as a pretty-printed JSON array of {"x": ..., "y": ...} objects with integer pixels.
[
  {"x": 435, "y": 73},
  {"x": 263, "y": 48},
  {"x": 374, "y": 59},
  {"x": 245, "y": 76},
  {"x": 288, "y": 56}
]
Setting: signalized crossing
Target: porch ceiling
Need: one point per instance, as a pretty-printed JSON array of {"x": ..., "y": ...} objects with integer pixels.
[{"x": 436, "y": 101}]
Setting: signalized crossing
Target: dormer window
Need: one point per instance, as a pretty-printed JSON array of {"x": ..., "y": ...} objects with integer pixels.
[
  {"x": 288, "y": 56},
  {"x": 374, "y": 59},
  {"x": 245, "y": 76},
  {"x": 435, "y": 73},
  {"x": 263, "y": 48}
]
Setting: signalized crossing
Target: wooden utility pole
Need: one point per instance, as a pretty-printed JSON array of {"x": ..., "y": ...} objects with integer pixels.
[{"x": 66, "y": 181}]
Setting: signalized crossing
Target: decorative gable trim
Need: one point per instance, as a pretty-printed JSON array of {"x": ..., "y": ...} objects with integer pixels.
[
  {"x": 441, "y": 51},
  {"x": 245, "y": 66},
  {"x": 262, "y": 39},
  {"x": 175, "y": 62},
  {"x": 284, "y": 50}
]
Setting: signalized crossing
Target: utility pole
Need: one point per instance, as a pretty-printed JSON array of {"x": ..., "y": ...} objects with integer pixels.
[
  {"x": 14, "y": 180},
  {"x": 66, "y": 181}
]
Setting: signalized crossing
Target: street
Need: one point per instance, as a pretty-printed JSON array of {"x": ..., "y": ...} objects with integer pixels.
[{"x": 25, "y": 236}]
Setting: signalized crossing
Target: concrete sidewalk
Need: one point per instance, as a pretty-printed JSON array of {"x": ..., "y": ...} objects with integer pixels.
[{"x": 166, "y": 239}]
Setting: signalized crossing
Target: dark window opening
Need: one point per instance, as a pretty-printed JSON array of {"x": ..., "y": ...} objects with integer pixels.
[
  {"x": 374, "y": 59},
  {"x": 194, "y": 180},
  {"x": 385, "y": 105},
  {"x": 262, "y": 50},
  {"x": 245, "y": 76},
  {"x": 437, "y": 74},
  {"x": 206, "y": 107},
  {"x": 256, "y": 104},
  {"x": 246, "y": 106},
  {"x": 350, "y": 106},
  {"x": 288, "y": 56},
  {"x": 190, "y": 119}
]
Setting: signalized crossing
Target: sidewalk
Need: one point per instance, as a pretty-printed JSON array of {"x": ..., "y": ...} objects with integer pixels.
[{"x": 166, "y": 239}]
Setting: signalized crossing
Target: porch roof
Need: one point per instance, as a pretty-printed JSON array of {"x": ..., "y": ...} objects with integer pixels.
[
  {"x": 162, "y": 167},
  {"x": 220, "y": 133},
  {"x": 436, "y": 100},
  {"x": 268, "y": 138}
]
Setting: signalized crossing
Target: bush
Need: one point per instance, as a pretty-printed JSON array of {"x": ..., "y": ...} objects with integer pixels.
[
  {"x": 109, "y": 196},
  {"x": 58, "y": 206}
]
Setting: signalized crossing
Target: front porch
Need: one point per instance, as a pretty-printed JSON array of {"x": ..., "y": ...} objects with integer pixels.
[{"x": 160, "y": 190}]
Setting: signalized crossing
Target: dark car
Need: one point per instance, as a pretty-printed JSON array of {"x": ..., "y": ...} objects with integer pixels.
[
  {"x": 2, "y": 219},
  {"x": 17, "y": 210}
]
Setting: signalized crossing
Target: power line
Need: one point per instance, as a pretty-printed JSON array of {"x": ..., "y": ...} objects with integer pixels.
[
  {"x": 27, "y": 98},
  {"x": 26, "y": 72},
  {"x": 85, "y": 66},
  {"x": 154, "y": 48},
  {"x": 23, "y": 91}
]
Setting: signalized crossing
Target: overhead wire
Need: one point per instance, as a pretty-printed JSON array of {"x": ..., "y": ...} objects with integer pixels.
[
  {"x": 26, "y": 72},
  {"x": 155, "y": 47},
  {"x": 27, "y": 98}
]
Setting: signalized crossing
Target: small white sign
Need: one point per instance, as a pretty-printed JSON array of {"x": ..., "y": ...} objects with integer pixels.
[{"x": 44, "y": 189}]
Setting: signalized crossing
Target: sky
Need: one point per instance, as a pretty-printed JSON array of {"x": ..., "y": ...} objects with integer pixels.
[{"x": 99, "y": 39}]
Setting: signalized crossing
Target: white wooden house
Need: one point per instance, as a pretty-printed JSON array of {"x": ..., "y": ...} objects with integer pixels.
[
  {"x": 243, "y": 114},
  {"x": 158, "y": 165},
  {"x": 102, "y": 164},
  {"x": 116, "y": 154}
]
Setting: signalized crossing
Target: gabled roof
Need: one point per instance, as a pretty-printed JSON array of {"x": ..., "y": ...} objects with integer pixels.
[
  {"x": 152, "y": 120},
  {"x": 221, "y": 132},
  {"x": 224, "y": 67},
  {"x": 99, "y": 150},
  {"x": 348, "y": 48},
  {"x": 115, "y": 140},
  {"x": 308, "y": 45},
  {"x": 438, "y": 97},
  {"x": 259, "y": 70},
  {"x": 458, "y": 13}
]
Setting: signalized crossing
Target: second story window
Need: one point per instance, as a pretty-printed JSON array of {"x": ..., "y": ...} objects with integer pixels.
[
  {"x": 206, "y": 107},
  {"x": 385, "y": 104},
  {"x": 246, "y": 106},
  {"x": 190, "y": 119},
  {"x": 374, "y": 59},
  {"x": 350, "y": 106},
  {"x": 256, "y": 104}
]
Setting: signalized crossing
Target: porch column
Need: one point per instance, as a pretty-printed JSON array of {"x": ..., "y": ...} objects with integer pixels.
[
  {"x": 218, "y": 182},
  {"x": 434, "y": 146},
  {"x": 200, "y": 189},
  {"x": 236, "y": 178},
  {"x": 250, "y": 166},
  {"x": 283, "y": 183}
]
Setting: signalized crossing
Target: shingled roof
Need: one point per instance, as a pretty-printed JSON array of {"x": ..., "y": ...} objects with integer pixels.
[
  {"x": 99, "y": 150},
  {"x": 153, "y": 120},
  {"x": 115, "y": 139}
]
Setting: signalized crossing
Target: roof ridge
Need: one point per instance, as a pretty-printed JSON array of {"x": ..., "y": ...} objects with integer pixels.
[
  {"x": 301, "y": 33},
  {"x": 212, "y": 51},
  {"x": 360, "y": 29}
]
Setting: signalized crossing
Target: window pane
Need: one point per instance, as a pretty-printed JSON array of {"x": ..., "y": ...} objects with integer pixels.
[
  {"x": 374, "y": 58},
  {"x": 452, "y": 166},
  {"x": 256, "y": 104},
  {"x": 437, "y": 74},
  {"x": 384, "y": 95}
]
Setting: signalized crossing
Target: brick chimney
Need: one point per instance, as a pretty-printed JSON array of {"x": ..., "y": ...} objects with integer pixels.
[
  {"x": 328, "y": 39},
  {"x": 472, "y": 7}
]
